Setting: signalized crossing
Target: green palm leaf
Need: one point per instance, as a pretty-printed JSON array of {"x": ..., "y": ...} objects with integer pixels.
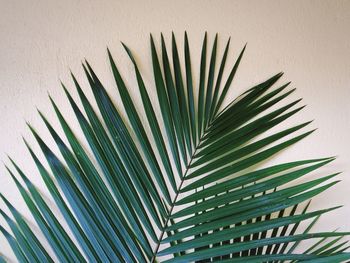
[{"x": 192, "y": 189}]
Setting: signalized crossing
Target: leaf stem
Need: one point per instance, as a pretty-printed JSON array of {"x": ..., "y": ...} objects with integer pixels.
[{"x": 173, "y": 203}]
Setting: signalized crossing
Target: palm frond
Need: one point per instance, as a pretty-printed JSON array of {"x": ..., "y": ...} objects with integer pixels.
[{"x": 193, "y": 192}]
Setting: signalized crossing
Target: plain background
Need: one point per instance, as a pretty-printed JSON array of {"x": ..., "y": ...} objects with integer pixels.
[{"x": 308, "y": 40}]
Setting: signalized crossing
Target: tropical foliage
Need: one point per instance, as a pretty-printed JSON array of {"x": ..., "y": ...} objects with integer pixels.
[{"x": 186, "y": 186}]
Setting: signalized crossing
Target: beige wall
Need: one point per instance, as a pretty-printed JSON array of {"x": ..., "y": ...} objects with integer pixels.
[{"x": 308, "y": 40}]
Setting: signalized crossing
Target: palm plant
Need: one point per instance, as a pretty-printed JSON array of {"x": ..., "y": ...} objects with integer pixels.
[{"x": 194, "y": 191}]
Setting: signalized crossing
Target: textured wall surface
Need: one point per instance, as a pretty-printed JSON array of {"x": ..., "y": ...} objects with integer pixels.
[{"x": 308, "y": 40}]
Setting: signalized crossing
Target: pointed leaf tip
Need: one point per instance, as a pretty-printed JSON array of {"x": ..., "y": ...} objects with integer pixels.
[
  {"x": 108, "y": 51},
  {"x": 128, "y": 51}
]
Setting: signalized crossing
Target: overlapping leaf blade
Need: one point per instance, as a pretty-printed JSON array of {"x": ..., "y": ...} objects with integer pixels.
[{"x": 193, "y": 193}]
